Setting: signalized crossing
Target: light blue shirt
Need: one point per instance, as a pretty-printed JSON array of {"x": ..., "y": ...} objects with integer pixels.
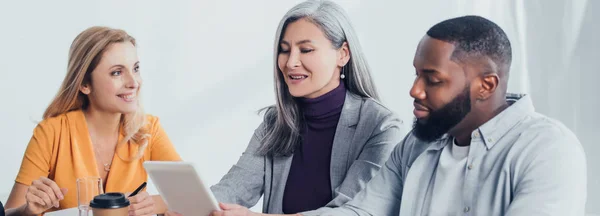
[{"x": 519, "y": 163}]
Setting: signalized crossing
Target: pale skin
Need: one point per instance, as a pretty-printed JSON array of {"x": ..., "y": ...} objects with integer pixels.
[
  {"x": 304, "y": 51},
  {"x": 112, "y": 92}
]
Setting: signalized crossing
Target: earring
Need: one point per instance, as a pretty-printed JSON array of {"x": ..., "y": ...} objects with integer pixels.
[{"x": 342, "y": 76}]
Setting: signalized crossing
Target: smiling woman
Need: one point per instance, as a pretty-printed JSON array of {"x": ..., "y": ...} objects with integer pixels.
[
  {"x": 95, "y": 126},
  {"x": 327, "y": 134},
  {"x": 310, "y": 67}
]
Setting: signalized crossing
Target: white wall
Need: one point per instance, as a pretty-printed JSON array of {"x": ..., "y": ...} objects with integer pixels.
[{"x": 207, "y": 65}]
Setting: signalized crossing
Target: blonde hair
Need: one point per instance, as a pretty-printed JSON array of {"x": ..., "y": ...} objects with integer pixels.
[{"x": 84, "y": 55}]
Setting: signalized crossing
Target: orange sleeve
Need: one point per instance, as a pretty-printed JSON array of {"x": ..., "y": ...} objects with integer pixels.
[
  {"x": 36, "y": 161},
  {"x": 161, "y": 148}
]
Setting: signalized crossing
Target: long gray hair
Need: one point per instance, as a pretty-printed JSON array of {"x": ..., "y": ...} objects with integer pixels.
[{"x": 282, "y": 121}]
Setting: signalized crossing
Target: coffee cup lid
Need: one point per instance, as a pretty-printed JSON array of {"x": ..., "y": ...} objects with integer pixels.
[{"x": 109, "y": 201}]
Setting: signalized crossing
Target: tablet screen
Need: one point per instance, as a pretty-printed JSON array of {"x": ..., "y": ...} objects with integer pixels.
[{"x": 181, "y": 187}]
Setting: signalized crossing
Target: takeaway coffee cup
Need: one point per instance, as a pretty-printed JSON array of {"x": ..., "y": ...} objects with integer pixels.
[{"x": 110, "y": 204}]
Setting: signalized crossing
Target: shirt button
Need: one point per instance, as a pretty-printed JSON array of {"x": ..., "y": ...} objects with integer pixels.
[
  {"x": 470, "y": 166},
  {"x": 476, "y": 134},
  {"x": 467, "y": 209},
  {"x": 490, "y": 140}
]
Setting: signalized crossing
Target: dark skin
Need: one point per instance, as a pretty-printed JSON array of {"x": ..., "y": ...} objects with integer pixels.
[{"x": 440, "y": 78}]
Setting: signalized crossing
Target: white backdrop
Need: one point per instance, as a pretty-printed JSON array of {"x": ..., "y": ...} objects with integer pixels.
[{"x": 207, "y": 65}]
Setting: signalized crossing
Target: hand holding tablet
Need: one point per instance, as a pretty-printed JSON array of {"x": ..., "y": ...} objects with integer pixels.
[{"x": 181, "y": 187}]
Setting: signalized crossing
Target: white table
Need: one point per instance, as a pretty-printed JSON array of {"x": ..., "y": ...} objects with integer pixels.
[{"x": 65, "y": 212}]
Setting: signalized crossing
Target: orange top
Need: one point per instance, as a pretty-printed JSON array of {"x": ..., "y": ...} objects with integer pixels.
[{"x": 61, "y": 149}]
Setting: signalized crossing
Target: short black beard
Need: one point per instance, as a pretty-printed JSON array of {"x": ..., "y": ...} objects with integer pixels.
[{"x": 439, "y": 122}]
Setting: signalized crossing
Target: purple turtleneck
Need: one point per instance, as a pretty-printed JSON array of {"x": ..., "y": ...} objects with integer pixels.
[{"x": 308, "y": 184}]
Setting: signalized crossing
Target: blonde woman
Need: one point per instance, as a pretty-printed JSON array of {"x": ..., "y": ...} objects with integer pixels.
[{"x": 95, "y": 126}]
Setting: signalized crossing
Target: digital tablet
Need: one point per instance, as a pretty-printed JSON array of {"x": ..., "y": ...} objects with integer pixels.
[{"x": 181, "y": 187}]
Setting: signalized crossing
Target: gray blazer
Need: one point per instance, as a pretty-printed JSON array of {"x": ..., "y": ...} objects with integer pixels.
[{"x": 364, "y": 138}]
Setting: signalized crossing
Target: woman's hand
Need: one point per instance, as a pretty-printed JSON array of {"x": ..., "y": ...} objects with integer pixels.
[
  {"x": 43, "y": 194},
  {"x": 142, "y": 204},
  {"x": 233, "y": 210}
]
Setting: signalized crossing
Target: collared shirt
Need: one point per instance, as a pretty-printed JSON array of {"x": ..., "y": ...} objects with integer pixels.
[{"x": 519, "y": 163}]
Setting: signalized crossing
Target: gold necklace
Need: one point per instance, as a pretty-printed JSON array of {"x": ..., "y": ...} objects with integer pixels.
[{"x": 106, "y": 165}]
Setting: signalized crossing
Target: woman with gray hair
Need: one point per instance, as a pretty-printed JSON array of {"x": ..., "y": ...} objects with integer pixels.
[{"x": 327, "y": 135}]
